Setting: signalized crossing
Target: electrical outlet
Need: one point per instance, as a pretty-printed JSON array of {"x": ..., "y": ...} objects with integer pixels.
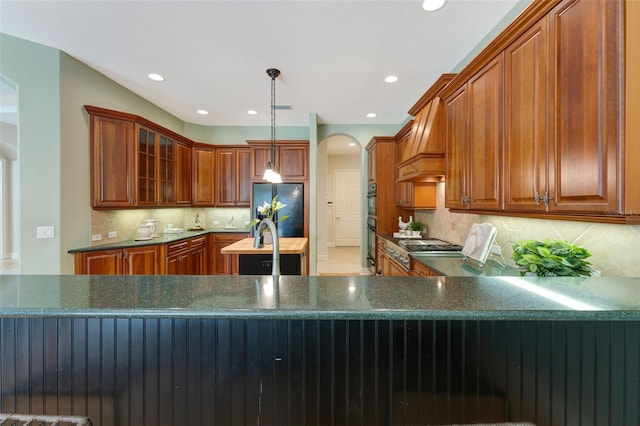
[
  {"x": 112, "y": 234},
  {"x": 44, "y": 232},
  {"x": 96, "y": 237},
  {"x": 216, "y": 222},
  {"x": 496, "y": 249}
]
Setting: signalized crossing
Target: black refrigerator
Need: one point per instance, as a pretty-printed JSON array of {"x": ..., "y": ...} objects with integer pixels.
[{"x": 291, "y": 194}]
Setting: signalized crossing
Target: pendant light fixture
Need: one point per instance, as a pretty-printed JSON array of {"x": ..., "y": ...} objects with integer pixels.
[
  {"x": 433, "y": 5},
  {"x": 271, "y": 173}
]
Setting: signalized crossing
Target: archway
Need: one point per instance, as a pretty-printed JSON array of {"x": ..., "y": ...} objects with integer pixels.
[{"x": 339, "y": 206}]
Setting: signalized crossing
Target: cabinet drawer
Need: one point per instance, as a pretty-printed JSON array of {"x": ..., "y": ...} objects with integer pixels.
[
  {"x": 197, "y": 242},
  {"x": 177, "y": 247}
]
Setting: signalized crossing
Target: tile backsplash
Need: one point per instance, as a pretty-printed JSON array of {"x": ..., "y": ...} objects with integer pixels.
[
  {"x": 615, "y": 249},
  {"x": 125, "y": 222}
]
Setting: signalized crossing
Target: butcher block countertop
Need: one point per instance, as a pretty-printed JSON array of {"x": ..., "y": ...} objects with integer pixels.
[{"x": 287, "y": 246}]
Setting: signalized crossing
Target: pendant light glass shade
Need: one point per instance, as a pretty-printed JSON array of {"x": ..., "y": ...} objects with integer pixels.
[
  {"x": 271, "y": 173},
  {"x": 433, "y": 5}
]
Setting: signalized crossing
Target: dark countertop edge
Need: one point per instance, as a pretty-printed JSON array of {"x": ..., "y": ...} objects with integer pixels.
[
  {"x": 158, "y": 241},
  {"x": 382, "y": 314}
]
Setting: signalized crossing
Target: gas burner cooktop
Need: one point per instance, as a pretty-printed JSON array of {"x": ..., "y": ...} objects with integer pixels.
[{"x": 428, "y": 245}]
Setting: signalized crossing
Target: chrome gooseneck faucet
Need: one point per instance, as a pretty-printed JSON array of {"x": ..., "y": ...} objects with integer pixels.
[{"x": 257, "y": 243}]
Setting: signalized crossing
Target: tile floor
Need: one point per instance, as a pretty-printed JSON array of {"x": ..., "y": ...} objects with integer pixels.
[{"x": 342, "y": 261}]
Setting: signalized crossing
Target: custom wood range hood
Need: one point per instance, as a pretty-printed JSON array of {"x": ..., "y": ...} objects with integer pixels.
[{"x": 423, "y": 156}]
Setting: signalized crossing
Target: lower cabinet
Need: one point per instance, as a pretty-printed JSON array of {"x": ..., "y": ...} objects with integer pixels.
[
  {"x": 224, "y": 264},
  {"x": 190, "y": 256},
  {"x": 144, "y": 260},
  {"x": 391, "y": 268},
  {"x": 187, "y": 257},
  {"x": 420, "y": 270},
  {"x": 198, "y": 255}
]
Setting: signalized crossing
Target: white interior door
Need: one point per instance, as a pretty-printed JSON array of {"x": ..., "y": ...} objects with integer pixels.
[{"x": 347, "y": 207}]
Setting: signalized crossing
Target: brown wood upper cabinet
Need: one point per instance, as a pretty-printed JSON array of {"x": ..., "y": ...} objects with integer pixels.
[
  {"x": 183, "y": 174},
  {"x": 562, "y": 145},
  {"x": 474, "y": 141},
  {"x": 112, "y": 161},
  {"x": 204, "y": 165},
  {"x": 291, "y": 157},
  {"x": 571, "y": 95},
  {"x": 136, "y": 163},
  {"x": 233, "y": 186}
]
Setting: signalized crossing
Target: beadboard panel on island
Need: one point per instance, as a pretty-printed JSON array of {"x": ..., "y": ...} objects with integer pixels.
[{"x": 321, "y": 350}]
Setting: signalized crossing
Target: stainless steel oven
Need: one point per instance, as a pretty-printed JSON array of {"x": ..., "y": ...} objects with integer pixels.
[
  {"x": 371, "y": 199},
  {"x": 371, "y": 244}
]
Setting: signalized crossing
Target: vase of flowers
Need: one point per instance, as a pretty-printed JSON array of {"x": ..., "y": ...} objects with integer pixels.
[{"x": 268, "y": 210}]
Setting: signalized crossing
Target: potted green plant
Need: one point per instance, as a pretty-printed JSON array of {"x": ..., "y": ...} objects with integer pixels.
[
  {"x": 416, "y": 227},
  {"x": 549, "y": 258}
]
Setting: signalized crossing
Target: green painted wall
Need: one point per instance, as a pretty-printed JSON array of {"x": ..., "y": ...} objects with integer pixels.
[
  {"x": 233, "y": 135},
  {"x": 35, "y": 70},
  {"x": 53, "y": 146}
]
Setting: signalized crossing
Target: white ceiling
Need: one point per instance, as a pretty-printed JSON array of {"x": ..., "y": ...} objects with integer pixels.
[{"x": 333, "y": 55}]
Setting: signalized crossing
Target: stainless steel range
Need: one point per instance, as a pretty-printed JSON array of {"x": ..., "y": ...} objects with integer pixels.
[{"x": 399, "y": 249}]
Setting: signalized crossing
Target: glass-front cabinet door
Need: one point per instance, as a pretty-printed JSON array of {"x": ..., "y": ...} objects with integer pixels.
[
  {"x": 166, "y": 189},
  {"x": 146, "y": 167}
]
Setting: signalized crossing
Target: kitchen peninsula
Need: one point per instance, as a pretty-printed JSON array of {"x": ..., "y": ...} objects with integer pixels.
[{"x": 359, "y": 350}]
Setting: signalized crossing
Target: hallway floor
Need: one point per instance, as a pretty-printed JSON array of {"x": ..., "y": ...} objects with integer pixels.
[
  {"x": 342, "y": 261},
  {"x": 9, "y": 266}
]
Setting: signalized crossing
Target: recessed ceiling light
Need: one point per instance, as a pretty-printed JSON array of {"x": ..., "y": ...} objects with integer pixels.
[
  {"x": 203, "y": 112},
  {"x": 252, "y": 112},
  {"x": 155, "y": 77},
  {"x": 391, "y": 79},
  {"x": 433, "y": 5},
  {"x": 352, "y": 144},
  {"x": 371, "y": 115}
]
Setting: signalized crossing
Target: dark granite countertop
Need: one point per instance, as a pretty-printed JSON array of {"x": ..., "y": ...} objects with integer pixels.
[
  {"x": 357, "y": 297},
  {"x": 161, "y": 239}
]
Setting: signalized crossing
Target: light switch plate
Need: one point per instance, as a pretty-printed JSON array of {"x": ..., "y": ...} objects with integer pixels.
[
  {"x": 96, "y": 237},
  {"x": 112, "y": 234},
  {"x": 44, "y": 232}
]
